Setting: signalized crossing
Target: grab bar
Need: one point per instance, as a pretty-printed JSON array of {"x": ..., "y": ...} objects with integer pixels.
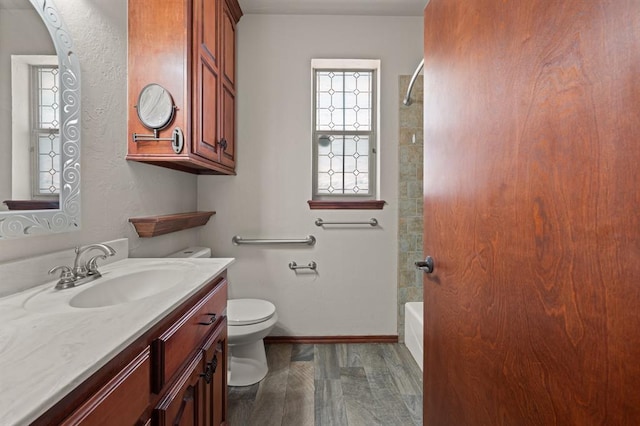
[
  {"x": 237, "y": 240},
  {"x": 294, "y": 266},
  {"x": 372, "y": 222}
]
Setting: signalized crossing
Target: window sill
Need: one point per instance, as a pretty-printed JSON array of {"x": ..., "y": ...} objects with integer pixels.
[
  {"x": 32, "y": 204},
  {"x": 346, "y": 205}
]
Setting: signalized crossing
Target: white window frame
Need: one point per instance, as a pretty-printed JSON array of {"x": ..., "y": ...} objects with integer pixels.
[
  {"x": 24, "y": 169},
  {"x": 374, "y": 156}
]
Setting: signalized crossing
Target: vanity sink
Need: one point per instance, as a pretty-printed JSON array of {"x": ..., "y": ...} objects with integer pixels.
[
  {"x": 127, "y": 288},
  {"x": 124, "y": 282}
]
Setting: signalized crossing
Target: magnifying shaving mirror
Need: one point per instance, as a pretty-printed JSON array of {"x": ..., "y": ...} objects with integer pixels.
[
  {"x": 155, "y": 107},
  {"x": 156, "y": 110}
]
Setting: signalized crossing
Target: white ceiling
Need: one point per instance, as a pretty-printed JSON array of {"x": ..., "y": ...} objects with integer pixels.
[{"x": 335, "y": 7}]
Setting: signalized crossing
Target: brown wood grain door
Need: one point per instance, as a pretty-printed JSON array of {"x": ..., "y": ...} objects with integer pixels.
[
  {"x": 532, "y": 212},
  {"x": 228, "y": 88},
  {"x": 206, "y": 79}
]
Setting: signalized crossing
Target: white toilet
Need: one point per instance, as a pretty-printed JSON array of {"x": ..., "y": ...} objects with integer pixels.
[{"x": 249, "y": 321}]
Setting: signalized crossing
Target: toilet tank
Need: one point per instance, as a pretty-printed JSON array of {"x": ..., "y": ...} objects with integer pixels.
[{"x": 192, "y": 252}]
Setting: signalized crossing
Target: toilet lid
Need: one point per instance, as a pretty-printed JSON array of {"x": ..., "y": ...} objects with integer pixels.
[{"x": 249, "y": 311}]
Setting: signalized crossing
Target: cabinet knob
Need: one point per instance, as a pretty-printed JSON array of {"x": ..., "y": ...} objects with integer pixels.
[{"x": 223, "y": 143}]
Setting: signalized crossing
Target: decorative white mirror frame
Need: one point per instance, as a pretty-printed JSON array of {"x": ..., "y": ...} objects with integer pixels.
[{"x": 67, "y": 218}]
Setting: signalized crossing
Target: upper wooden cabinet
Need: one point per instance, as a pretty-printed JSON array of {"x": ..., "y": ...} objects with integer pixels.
[{"x": 189, "y": 48}]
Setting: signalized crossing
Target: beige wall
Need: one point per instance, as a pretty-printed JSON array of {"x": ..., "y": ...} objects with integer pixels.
[
  {"x": 112, "y": 189},
  {"x": 355, "y": 290}
]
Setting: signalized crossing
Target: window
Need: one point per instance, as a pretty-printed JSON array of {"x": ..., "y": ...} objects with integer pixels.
[
  {"x": 345, "y": 116},
  {"x": 36, "y": 150},
  {"x": 46, "y": 130}
]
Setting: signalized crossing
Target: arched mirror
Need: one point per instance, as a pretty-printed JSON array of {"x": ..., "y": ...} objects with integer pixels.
[{"x": 39, "y": 121}]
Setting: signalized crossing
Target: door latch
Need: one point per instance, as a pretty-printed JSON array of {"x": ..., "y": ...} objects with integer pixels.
[{"x": 426, "y": 265}]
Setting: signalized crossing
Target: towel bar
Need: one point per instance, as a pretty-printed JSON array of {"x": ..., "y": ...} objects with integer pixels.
[
  {"x": 372, "y": 222},
  {"x": 237, "y": 240},
  {"x": 294, "y": 266}
]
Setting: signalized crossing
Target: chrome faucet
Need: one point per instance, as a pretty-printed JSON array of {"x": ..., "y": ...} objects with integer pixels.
[
  {"x": 79, "y": 270},
  {"x": 82, "y": 273}
]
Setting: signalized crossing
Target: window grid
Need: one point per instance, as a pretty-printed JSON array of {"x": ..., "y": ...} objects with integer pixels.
[
  {"x": 344, "y": 138},
  {"x": 46, "y": 122}
]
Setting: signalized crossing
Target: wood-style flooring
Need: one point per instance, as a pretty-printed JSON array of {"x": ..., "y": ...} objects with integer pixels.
[{"x": 332, "y": 385}]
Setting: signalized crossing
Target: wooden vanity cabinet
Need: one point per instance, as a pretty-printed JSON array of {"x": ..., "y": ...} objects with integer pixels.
[
  {"x": 189, "y": 48},
  {"x": 174, "y": 374},
  {"x": 198, "y": 395}
]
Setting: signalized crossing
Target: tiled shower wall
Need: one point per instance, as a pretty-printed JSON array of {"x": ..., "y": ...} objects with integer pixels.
[{"x": 409, "y": 197}]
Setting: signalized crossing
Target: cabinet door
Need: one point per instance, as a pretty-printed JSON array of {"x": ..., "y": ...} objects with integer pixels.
[
  {"x": 206, "y": 79},
  {"x": 228, "y": 91},
  {"x": 123, "y": 400},
  {"x": 215, "y": 393},
  {"x": 183, "y": 403}
]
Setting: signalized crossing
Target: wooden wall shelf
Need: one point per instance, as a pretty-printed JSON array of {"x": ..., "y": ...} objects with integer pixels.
[{"x": 152, "y": 226}]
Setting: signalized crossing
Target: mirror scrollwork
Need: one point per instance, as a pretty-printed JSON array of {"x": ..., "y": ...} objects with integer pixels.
[{"x": 65, "y": 216}]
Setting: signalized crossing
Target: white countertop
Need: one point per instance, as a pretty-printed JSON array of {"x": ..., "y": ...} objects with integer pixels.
[{"x": 47, "y": 347}]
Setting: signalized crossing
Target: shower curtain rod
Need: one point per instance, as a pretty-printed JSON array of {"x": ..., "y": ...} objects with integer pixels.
[{"x": 407, "y": 99}]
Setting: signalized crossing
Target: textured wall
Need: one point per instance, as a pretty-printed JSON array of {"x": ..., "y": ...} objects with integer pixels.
[
  {"x": 112, "y": 189},
  {"x": 355, "y": 290},
  {"x": 410, "y": 155}
]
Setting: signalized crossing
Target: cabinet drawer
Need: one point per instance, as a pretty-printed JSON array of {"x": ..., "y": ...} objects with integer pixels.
[
  {"x": 122, "y": 401},
  {"x": 173, "y": 347}
]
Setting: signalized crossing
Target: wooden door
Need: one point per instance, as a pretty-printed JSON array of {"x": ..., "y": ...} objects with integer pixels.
[
  {"x": 206, "y": 79},
  {"x": 531, "y": 212}
]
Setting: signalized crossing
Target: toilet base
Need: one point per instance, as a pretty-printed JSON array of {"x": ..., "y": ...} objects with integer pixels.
[{"x": 248, "y": 363}]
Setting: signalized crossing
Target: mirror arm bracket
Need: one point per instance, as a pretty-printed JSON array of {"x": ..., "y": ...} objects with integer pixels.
[{"x": 176, "y": 139}]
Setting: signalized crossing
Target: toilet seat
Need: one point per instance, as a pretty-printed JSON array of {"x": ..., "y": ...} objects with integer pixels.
[{"x": 248, "y": 311}]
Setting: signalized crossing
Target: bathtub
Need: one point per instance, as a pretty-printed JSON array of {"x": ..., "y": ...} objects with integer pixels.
[{"x": 413, "y": 326}]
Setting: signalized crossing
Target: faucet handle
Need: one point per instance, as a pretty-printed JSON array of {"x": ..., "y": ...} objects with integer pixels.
[
  {"x": 92, "y": 265},
  {"x": 67, "y": 279}
]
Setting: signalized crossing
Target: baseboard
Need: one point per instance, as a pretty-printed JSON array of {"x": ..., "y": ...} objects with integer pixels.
[{"x": 331, "y": 339}]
